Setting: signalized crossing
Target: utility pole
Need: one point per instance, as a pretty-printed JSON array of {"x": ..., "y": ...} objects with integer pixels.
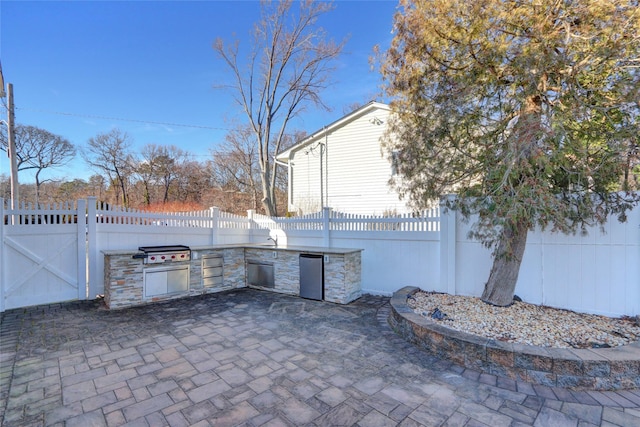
[{"x": 15, "y": 191}]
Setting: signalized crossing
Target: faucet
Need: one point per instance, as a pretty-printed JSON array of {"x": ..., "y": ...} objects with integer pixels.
[{"x": 275, "y": 241}]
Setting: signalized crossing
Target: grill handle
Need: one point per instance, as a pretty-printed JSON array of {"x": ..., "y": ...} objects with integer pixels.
[{"x": 140, "y": 256}]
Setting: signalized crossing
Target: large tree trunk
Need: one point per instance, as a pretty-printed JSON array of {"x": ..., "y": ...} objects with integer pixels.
[
  {"x": 167, "y": 184},
  {"x": 147, "y": 194},
  {"x": 125, "y": 199},
  {"x": 267, "y": 199},
  {"x": 267, "y": 204},
  {"x": 38, "y": 183},
  {"x": 501, "y": 285}
]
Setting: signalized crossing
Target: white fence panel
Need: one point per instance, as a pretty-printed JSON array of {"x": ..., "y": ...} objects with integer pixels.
[
  {"x": 41, "y": 268},
  {"x": 230, "y": 236},
  {"x": 107, "y": 214},
  {"x": 391, "y": 260},
  {"x": 42, "y": 255},
  {"x": 312, "y": 221},
  {"x": 428, "y": 220},
  {"x": 597, "y": 273},
  {"x": 230, "y": 221},
  {"x": 297, "y": 238}
]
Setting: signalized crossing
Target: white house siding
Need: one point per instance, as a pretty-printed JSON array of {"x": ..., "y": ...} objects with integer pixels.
[
  {"x": 355, "y": 172},
  {"x": 305, "y": 181}
]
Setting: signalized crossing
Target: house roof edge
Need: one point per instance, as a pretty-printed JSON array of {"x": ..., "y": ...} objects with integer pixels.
[{"x": 284, "y": 156}]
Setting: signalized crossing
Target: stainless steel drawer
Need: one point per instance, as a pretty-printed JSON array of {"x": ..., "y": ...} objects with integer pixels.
[
  {"x": 165, "y": 280},
  {"x": 260, "y": 274},
  {"x": 209, "y": 282},
  {"x": 212, "y": 271},
  {"x": 212, "y": 261}
]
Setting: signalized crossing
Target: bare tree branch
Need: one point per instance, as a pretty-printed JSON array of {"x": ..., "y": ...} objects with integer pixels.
[
  {"x": 288, "y": 67},
  {"x": 38, "y": 149}
]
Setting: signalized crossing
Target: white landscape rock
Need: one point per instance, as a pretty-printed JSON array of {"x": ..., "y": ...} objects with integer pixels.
[{"x": 526, "y": 323}]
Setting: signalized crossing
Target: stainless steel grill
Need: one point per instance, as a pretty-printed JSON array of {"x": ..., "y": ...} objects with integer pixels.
[{"x": 164, "y": 254}]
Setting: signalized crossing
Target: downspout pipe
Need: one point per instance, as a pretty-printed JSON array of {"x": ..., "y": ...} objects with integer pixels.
[
  {"x": 289, "y": 167},
  {"x": 326, "y": 165}
]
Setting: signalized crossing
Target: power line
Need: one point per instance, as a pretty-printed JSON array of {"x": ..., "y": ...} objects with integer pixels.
[{"x": 93, "y": 116}]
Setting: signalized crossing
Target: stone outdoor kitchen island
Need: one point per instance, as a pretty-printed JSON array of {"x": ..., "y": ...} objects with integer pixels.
[{"x": 128, "y": 279}]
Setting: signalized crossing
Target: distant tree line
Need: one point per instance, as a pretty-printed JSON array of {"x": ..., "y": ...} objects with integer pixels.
[{"x": 156, "y": 178}]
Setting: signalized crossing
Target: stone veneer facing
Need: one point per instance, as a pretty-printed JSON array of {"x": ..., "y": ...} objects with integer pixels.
[
  {"x": 342, "y": 278},
  {"x": 122, "y": 281},
  {"x": 124, "y": 276},
  {"x": 286, "y": 271},
  {"x": 581, "y": 369},
  {"x": 341, "y": 273}
]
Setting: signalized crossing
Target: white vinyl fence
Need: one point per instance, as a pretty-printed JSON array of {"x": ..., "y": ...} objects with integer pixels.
[
  {"x": 61, "y": 248},
  {"x": 596, "y": 273},
  {"x": 42, "y": 255}
]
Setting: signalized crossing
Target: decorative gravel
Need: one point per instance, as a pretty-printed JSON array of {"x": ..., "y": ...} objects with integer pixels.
[{"x": 525, "y": 323}]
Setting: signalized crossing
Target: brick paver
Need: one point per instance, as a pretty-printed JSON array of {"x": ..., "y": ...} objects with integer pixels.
[{"x": 253, "y": 358}]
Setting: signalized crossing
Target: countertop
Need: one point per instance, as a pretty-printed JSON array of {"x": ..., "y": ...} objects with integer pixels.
[
  {"x": 290, "y": 248},
  {"x": 305, "y": 249}
]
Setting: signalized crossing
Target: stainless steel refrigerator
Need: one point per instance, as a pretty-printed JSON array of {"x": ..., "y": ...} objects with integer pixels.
[{"x": 312, "y": 276}]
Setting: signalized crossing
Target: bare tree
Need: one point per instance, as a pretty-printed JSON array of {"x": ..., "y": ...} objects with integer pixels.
[
  {"x": 145, "y": 172},
  {"x": 288, "y": 67},
  {"x": 69, "y": 190},
  {"x": 97, "y": 186},
  {"x": 109, "y": 153},
  {"x": 5, "y": 186},
  {"x": 192, "y": 180},
  {"x": 235, "y": 164},
  {"x": 159, "y": 168},
  {"x": 169, "y": 164},
  {"x": 38, "y": 149}
]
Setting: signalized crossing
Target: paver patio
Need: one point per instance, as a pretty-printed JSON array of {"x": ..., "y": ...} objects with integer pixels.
[{"x": 252, "y": 358}]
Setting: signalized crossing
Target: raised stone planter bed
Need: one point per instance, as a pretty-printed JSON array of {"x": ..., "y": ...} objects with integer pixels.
[{"x": 580, "y": 369}]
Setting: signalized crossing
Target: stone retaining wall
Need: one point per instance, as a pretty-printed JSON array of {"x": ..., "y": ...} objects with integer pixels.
[{"x": 580, "y": 369}]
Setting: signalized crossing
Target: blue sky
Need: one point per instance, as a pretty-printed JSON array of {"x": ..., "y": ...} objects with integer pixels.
[{"x": 77, "y": 66}]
